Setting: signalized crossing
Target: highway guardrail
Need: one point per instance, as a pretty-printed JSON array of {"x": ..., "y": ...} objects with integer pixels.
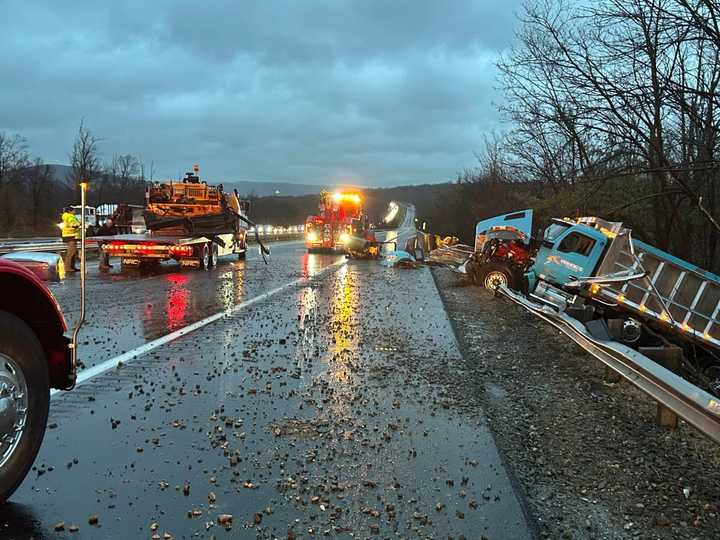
[{"x": 696, "y": 406}]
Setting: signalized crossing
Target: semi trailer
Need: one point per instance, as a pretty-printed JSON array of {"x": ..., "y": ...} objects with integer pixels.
[{"x": 190, "y": 222}]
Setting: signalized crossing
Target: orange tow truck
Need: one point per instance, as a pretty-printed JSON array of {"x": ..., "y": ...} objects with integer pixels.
[{"x": 329, "y": 230}]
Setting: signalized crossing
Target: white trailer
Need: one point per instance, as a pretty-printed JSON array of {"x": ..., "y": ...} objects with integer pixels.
[{"x": 197, "y": 251}]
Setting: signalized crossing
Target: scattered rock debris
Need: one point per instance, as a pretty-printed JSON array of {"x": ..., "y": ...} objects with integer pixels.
[{"x": 591, "y": 461}]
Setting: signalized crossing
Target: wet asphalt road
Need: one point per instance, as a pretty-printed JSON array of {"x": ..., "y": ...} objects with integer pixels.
[
  {"x": 126, "y": 308},
  {"x": 314, "y": 413}
]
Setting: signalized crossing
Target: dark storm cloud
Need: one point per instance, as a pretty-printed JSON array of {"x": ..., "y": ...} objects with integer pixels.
[{"x": 365, "y": 91}]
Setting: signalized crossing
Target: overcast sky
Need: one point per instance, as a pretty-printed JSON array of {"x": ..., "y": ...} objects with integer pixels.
[{"x": 380, "y": 92}]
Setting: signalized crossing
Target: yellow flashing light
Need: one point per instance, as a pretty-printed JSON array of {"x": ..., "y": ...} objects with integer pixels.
[
  {"x": 594, "y": 288},
  {"x": 620, "y": 297},
  {"x": 83, "y": 186},
  {"x": 347, "y": 197},
  {"x": 687, "y": 328},
  {"x": 642, "y": 307},
  {"x": 664, "y": 316},
  {"x": 706, "y": 336}
]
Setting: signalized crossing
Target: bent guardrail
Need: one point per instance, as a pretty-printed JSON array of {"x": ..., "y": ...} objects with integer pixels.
[{"x": 696, "y": 406}]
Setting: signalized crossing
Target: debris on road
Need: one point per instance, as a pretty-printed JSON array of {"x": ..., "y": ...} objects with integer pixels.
[
  {"x": 453, "y": 256},
  {"x": 399, "y": 259}
]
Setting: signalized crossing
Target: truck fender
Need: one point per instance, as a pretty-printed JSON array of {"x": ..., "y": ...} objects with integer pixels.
[{"x": 27, "y": 298}]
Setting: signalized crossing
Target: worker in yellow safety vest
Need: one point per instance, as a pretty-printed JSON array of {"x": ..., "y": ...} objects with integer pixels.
[{"x": 70, "y": 233}]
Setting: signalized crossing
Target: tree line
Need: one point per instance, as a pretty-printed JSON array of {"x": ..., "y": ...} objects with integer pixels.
[
  {"x": 613, "y": 108},
  {"x": 32, "y": 195}
]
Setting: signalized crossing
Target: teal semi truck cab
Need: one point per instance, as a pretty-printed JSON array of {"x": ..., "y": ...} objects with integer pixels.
[{"x": 627, "y": 290}]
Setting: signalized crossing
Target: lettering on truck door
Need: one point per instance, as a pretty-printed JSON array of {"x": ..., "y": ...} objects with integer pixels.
[{"x": 574, "y": 255}]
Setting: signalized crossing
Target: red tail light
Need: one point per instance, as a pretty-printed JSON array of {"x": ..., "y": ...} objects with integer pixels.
[{"x": 181, "y": 251}]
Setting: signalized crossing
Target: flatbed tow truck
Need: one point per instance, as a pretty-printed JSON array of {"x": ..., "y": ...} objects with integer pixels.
[
  {"x": 189, "y": 222},
  {"x": 190, "y": 251}
]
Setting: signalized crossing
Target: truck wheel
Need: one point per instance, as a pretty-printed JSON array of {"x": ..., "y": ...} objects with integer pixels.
[
  {"x": 24, "y": 401},
  {"x": 242, "y": 255},
  {"x": 214, "y": 255},
  {"x": 492, "y": 275},
  {"x": 713, "y": 375},
  {"x": 204, "y": 257}
]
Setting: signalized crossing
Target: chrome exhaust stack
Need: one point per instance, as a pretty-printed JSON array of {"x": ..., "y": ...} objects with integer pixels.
[{"x": 83, "y": 266}]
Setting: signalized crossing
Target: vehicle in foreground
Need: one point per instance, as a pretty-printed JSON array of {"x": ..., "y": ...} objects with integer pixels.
[{"x": 35, "y": 355}]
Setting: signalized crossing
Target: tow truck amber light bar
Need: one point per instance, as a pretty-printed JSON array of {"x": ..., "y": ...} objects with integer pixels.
[{"x": 347, "y": 197}]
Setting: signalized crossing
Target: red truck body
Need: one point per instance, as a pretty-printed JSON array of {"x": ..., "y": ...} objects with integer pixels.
[
  {"x": 329, "y": 230},
  {"x": 25, "y": 296}
]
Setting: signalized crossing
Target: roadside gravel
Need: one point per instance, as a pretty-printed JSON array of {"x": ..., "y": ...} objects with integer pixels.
[{"x": 586, "y": 453}]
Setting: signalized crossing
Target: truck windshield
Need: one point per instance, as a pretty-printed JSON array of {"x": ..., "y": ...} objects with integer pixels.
[{"x": 554, "y": 230}]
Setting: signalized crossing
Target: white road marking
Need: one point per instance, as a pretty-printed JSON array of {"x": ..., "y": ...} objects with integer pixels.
[{"x": 92, "y": 372}]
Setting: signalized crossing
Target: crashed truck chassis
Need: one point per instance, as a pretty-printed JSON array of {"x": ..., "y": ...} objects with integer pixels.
[{"x": 670, "y": 391}]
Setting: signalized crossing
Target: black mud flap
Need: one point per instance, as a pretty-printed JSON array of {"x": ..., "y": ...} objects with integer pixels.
[{"x": 598, "y": 329}]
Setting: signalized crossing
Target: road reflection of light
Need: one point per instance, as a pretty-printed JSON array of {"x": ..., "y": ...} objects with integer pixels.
[
  {"x": 177, "y": 301},
  {"x": 311, "y": 263},
  {"x": 342, "y": 309},
  {"x": 307, "y": 319},
  {"x": 231, "y": 290}
]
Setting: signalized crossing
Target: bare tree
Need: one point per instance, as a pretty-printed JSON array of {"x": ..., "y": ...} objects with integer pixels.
[
  {"x": 128, "y": 167},
  {"x": 147, "y": 174},
  {"x": 612, "y": 87},
  {"x": 13, "y": 155},
  {"x": 84, "y": 158},
  {"x": 38, "y": 183}
]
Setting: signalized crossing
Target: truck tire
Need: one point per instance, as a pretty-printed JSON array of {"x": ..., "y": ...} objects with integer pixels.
[
  {"x": 492, "y": 275},
  {"x": 204, "y": 257},
  {"x": 242, "y": 255},
  {"x": 23, "y": 366},
  {"x": 213, "y": 255}
]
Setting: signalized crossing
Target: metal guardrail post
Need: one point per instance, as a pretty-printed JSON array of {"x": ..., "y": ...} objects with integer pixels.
[{"x": 671, "y": 358}]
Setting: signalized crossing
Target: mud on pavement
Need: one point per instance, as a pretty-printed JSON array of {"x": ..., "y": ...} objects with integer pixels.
[{"x": 591, "y": 461}]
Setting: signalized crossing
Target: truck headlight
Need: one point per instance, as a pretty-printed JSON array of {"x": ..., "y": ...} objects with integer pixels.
[
  {"x": 344, "y": 237},
  {"x": 312, "y": 236}
]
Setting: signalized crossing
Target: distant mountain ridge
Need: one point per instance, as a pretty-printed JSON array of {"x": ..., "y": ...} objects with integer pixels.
[
  {"x": 267, "y": 189},
  {"x": 60, "y": 175}
]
